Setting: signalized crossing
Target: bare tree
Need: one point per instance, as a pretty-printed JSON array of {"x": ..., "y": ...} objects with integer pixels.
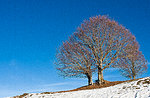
[
  {"x": 133, "y": 65},
  {"x": 73, "y": 60},
  {"x": 106, "y": 40}
]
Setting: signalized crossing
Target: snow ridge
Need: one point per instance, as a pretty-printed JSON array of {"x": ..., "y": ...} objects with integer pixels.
[{"x": 135, "y": 89}]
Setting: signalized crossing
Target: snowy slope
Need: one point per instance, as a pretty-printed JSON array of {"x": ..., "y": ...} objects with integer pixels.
[{"x": 135, "y": 89}]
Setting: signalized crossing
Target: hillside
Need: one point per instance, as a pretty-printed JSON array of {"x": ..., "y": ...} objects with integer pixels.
[{"x": 139, "y": 88}]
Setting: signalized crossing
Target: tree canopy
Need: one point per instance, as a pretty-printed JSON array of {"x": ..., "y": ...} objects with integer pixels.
[{"x": 99, "y": 43}]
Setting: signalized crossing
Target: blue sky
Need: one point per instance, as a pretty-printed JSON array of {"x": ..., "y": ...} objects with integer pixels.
[{"x": 31, "y": 30}]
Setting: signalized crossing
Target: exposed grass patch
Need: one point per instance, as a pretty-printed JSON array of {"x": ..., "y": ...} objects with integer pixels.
[
  {"x": 21, "y": 96},
  {"x": 87, "y": 87},
  {"x": 145, "y": 81}
]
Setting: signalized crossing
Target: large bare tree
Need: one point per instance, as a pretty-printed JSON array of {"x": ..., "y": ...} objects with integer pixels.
[
  {"x": 74, "y": 60},
  {"x": 106, "y": 40}
]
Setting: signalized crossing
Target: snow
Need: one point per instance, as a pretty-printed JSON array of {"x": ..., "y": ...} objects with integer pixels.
[{"x": 134, "y": 89}]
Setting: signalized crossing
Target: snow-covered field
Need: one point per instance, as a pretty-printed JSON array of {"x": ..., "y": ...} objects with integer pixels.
[{"x": 135, "y": 89}]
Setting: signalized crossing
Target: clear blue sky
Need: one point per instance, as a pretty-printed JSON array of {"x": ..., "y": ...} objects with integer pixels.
[{"x": 31, "y": 30}]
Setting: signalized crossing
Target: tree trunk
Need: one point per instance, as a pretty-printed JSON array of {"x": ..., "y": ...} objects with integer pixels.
[
  {"x": 90, "y": 82},
  {"x": 100, "y": 76},
  {"x": 133, "y": 71}
]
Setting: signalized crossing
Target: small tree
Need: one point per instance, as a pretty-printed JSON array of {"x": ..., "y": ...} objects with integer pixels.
[
  {"x": 106, "y": 40},
  {"x": 133, "y": 65},
  {"x": 74, "y": 60}
]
